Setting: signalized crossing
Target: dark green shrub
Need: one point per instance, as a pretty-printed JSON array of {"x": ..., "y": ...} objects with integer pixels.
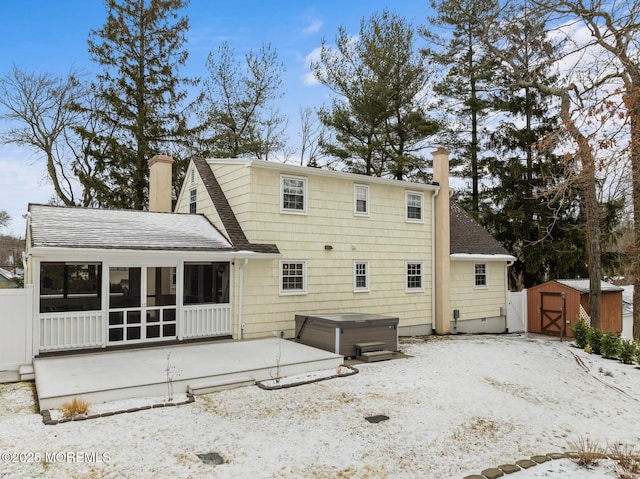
[
  {"x": 594, "y": 339},
  {"x": 580, "y": 332},
  {"x": 637, "y": 344},
  {"x": 609, "y": 345},
  {"x": 627, "y": 352}
]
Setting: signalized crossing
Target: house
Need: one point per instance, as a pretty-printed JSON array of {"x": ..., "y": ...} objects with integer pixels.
[
  {"x": 251, "y": 244},
  {"x": 555, "y": 306}
]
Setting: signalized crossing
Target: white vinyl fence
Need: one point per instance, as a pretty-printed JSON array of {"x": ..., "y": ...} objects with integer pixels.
[
  {"x": 517, "y": 311},
  {"x": 15, "y": 328}
]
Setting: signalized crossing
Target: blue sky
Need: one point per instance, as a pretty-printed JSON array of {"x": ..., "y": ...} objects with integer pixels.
[{"x": 51, "y": 36}]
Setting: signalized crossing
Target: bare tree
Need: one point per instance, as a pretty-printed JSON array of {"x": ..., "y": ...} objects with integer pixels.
[
  {"x": 39, "y": 106},
  {"x": 614, "y": 29},
  {"x": 310, "y": 134}
]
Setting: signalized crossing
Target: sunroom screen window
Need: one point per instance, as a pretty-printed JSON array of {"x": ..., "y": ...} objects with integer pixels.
[
  {"x": 70, "y": 287},
  {"x": 206, "y": 283}
]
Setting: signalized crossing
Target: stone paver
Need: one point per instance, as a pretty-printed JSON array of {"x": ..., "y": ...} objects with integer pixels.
[
  {"x": 540, "y": 459},
  {"x": 526, "y": 463},
  {"x": 509, "y": 468},
  {"x": 492, "y": 473}
]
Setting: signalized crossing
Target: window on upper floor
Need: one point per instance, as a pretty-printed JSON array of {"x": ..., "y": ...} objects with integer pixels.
[
  {"x": 361, "y": 200},
  {"x": 193, "y": 201},
  {"x": 480, "y": 275},
  {"x": 293, "y": 194},
  {"x": 414, "y": 276},
  {"x": 293, "y": 277},
  {"x": 414, "y": 210},
  {"x": 360, "y": 276}
]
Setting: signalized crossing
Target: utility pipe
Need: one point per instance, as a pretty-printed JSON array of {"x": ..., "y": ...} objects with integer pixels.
[{"x": 240, "y": 300}]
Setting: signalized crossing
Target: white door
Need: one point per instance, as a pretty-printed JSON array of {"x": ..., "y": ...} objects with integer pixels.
[{"x": 142, "y": 304}]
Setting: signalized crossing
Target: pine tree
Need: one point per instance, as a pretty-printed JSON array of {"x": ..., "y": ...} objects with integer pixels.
[
  {"x": 468, "y": 81},
  {"x": 376, "y": 118},
  {"x": 139, "y": 50}
]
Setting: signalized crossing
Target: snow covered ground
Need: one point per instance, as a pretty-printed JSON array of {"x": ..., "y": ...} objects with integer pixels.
[{"x": 458, "y": 405}]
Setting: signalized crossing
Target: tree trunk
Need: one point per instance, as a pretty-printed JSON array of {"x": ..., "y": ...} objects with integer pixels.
[{"x": 632, "y": 101}]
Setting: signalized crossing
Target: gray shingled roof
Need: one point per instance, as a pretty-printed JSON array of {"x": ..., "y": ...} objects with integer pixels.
[
  {"x": 469, "y": 237},
  {"x": 70, "y": 227},
  {"x": 225, "y": 212}
]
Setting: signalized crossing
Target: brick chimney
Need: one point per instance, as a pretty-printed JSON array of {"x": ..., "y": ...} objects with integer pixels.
[
  {"x": 160, "y": 167},
  {"x": 442, "y": 246}
]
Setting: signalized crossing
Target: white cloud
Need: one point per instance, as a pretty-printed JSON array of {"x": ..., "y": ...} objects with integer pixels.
[
  {"x": 313, "y": 27},
  {"x": 308, "y": 78}
]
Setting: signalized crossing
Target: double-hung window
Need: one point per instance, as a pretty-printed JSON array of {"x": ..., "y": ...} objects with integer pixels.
[
  {"x": 193, "y": 201},
  {"x": 480, "y": 275},
  {"x": 360, "y": 276},
  {"x": 361, "y": 200},
  {"x": 414, "y": 276},
  {"x": 414, "y": 210},
  {"x": 293, "y": 195},
  {"x": 293, "y": 277}
]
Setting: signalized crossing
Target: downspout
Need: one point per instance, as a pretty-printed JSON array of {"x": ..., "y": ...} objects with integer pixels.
[
  {"x": 433, "y": 260},
  {"x": 240, "y": 300}
]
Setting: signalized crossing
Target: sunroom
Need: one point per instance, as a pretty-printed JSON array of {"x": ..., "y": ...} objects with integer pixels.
[{"x": 113, "y": 278}]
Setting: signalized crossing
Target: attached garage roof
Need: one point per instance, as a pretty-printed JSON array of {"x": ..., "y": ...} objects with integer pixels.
[{"x": 71, "y": 227}]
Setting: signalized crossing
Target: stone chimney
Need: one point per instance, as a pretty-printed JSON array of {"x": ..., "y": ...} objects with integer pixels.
[
  {"x": 160, "y": 167},
  {"x": 442, "y": 320}
]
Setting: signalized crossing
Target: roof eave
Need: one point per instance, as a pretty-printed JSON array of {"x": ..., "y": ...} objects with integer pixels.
[{"x": 481, "y": 257}]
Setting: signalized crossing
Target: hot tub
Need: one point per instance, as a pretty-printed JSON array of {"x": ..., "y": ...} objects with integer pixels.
[{"x": 340, "y": 332}]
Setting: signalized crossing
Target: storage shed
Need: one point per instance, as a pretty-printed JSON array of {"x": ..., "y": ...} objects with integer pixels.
[
  {"x": 340, "y": 332},
  {"x": 556, "y": 303}
]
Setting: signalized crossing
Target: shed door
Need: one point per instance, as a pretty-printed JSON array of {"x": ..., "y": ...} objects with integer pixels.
[{"x": 552, "y": 313}]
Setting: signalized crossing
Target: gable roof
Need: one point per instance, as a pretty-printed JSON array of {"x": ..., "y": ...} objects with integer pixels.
[
  {"x": 225, "y": 212},
  {"x": 469, "y": 237},
  {"x": 75, "y": 227}
]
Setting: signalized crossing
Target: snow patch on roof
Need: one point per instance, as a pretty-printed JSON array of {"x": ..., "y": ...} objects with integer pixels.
[{"x": 71, "y": 227}]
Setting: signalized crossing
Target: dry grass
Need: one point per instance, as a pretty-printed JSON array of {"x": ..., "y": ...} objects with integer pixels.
[
  {"x": 75, "y": 407},
  {"x": 588, "y": 452},
  {"x": 628, "y": 459}
]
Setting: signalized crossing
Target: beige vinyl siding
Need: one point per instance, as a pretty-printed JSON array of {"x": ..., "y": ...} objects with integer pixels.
[
  {"x": 383, "y": 238},
  {"x": 477, "y": 302}
]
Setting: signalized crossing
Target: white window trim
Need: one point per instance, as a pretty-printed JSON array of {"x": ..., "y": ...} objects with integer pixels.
[
  {"x": 357, "y": 289},
  {"x": 292, "y": 292},
  {"x": 406, "y": 277},
  {"x": 356, "y": 186},
  {"x": 193, "y": 192},
  {"x": 305, "y": 196},
  {"x": 406, "y": 207},
  {"x": 486, "y": 276}
]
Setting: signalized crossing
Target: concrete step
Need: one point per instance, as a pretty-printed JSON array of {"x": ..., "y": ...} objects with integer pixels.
[
  {"x": 26, "y": 373},
  {"x": 373, "y": 356},
  {"x": 369, "y": 347},
  {"x": 220, "y": 385}
]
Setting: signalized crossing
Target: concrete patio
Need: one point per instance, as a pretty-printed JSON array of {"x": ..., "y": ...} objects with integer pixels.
[{"x": 113, "y": 375}]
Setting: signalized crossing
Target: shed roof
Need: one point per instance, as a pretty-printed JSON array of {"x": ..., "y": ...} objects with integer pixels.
[
  {"x": 469, "y": 237},
  {"x": 75, "y": 227},
  {"x": 583, "y": 285}
]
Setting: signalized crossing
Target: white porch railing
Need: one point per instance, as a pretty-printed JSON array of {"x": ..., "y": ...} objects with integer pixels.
[
  {"x": 203, "y": 320},
  {"x": 70, "y": 330}
]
